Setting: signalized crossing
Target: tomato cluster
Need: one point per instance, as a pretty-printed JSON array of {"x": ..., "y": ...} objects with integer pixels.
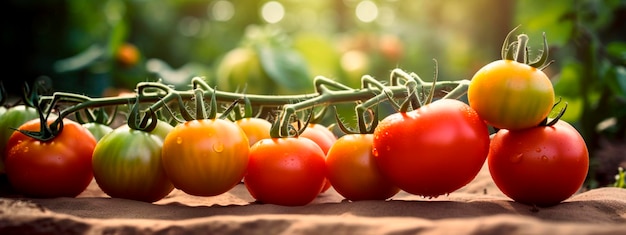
[
  {"x": 434, "y": 149},
  {"x": 530, "y": 160}
]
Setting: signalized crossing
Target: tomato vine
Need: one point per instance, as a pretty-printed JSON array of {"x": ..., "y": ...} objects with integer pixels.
[{"x": 402, "y": 86}]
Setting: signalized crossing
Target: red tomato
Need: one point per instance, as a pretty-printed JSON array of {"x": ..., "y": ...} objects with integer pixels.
[
  {"x": 353, "y": 172},
  {"x": 539, "y": 166},
  {"x": 433, "y": 150},
  {"x": 60, "y": 167},
  {"x": 285, "y": 171},
  {"x": 255, "y": 128},
  {"x": 205, "y": 157},
  {"x": 323, "y": 137}
]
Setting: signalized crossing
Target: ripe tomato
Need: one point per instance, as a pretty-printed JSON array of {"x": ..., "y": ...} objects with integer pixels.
[
  {"x": 255, "y": 128},
  {"x": 14, "y": 117},
  {"x": 323, "y": 137},
  {"x": 285, "y": 171},
  {"x": 539, "y": 166},
  {"x": 60, "y": 167},
  {"x": 127, "y": 55},
  {"x": 433, "y": 150},
  {"x": 127, "y": 164},
  {"x": 511, "y": 95},
  {"x": 353, "y": 172},
  {"x": 205, "y": 157}
]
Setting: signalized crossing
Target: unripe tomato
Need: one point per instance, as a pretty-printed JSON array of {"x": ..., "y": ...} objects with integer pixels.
[
  {"x": 98, "y": 130},
  {"x": 241, "y": 68},
  {"x": 511, "y": 95},
  {"x": 14, "y": 117},
  {"x": 127, "y": 164}
]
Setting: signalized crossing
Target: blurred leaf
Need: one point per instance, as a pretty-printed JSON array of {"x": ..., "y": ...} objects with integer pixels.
[
  {"x": 567, "y": 83},
  {"x": 285, "y": 67},
  {"x": 81, "y": 60},
  {"x": 574, "y": 109},
  {"x": 617, "y": 80},
  {"x": 117, "y": 37},
  {"x": 617, "y": 50},
  {"x": 319, "y": 52},
  {"x": 538, "y": 16}
]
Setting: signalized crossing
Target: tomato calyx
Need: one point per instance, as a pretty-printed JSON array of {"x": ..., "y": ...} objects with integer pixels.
[
  {"x": 551, "y": 121},
  {"x": 364, "y": 127},
  {"x": 98, "y": 115},
  {"x": 518, "y": 51}
]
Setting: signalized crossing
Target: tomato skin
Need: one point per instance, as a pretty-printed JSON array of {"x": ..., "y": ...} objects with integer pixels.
[
  {"x": 255, "y": 128},
  {"x": 353, "y": 172},
  {"x": 539, "y": 166},
  {"x": 14, "y": 117},
  {"x": 205, "y": 157},
  {"x": 60, "y": 167},
  {"x": 98, "y": 130},
  {"x": 511, "y": 95},
  {"x": 433, "y": 150},
  {"x": 285, "y": 171},
  {"x": 127, "y": 164},
  {"x": 323, "y": 137}
]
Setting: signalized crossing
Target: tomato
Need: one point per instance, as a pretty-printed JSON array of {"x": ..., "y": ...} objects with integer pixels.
[
  {"x": 285, "y": 171},
  {"x": 127, "y": 55},
  {"x": 98, "y": 130},
  {"x": 511, "y": 95},
  {"x": 323, "y": 137},
  {"x": 353, "y": 172},
  {"x": 13, "y": 118},
  {"x": 539, "y": 166},
  {"x": 433, "y": 150},
  {"x": 241, "y": 68},
  {"x": 60, "y": 167},
  {"x": 205, "y": 157},
  {"x": 127, "y": 164},
  {"x": 255, "y": 128}
]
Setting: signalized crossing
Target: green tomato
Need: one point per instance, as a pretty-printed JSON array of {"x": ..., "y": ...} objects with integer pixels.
[
  {"x": 241, "y": 68},
  {"x": 98, "y": 130},
  {"x": 14, "y": 117},
  {"x": 127, "y": 164},
  {"x": 162, "y": 129}
]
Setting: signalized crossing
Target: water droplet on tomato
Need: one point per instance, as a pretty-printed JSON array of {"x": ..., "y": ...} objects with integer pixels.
[
  {"x": 218, "y": 147},
  {"x": 179, "y": 140},
  {"x": 516, "y": 158},
  {"x": 538, "y": 150},
  {"x": 544, "y": 158},
  {"x": 375, "y": 152},
  {"x": 26, "y": 149}
]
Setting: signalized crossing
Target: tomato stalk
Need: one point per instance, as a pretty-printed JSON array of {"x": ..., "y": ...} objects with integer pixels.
[
  {"x": 518, "y": 51},
  {"x": 402, "y": 85}
]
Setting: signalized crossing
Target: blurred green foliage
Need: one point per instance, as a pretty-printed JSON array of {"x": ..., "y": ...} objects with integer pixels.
[
  {"x": 75, "y": 43},
  {"x": 589, "y": 42}
]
